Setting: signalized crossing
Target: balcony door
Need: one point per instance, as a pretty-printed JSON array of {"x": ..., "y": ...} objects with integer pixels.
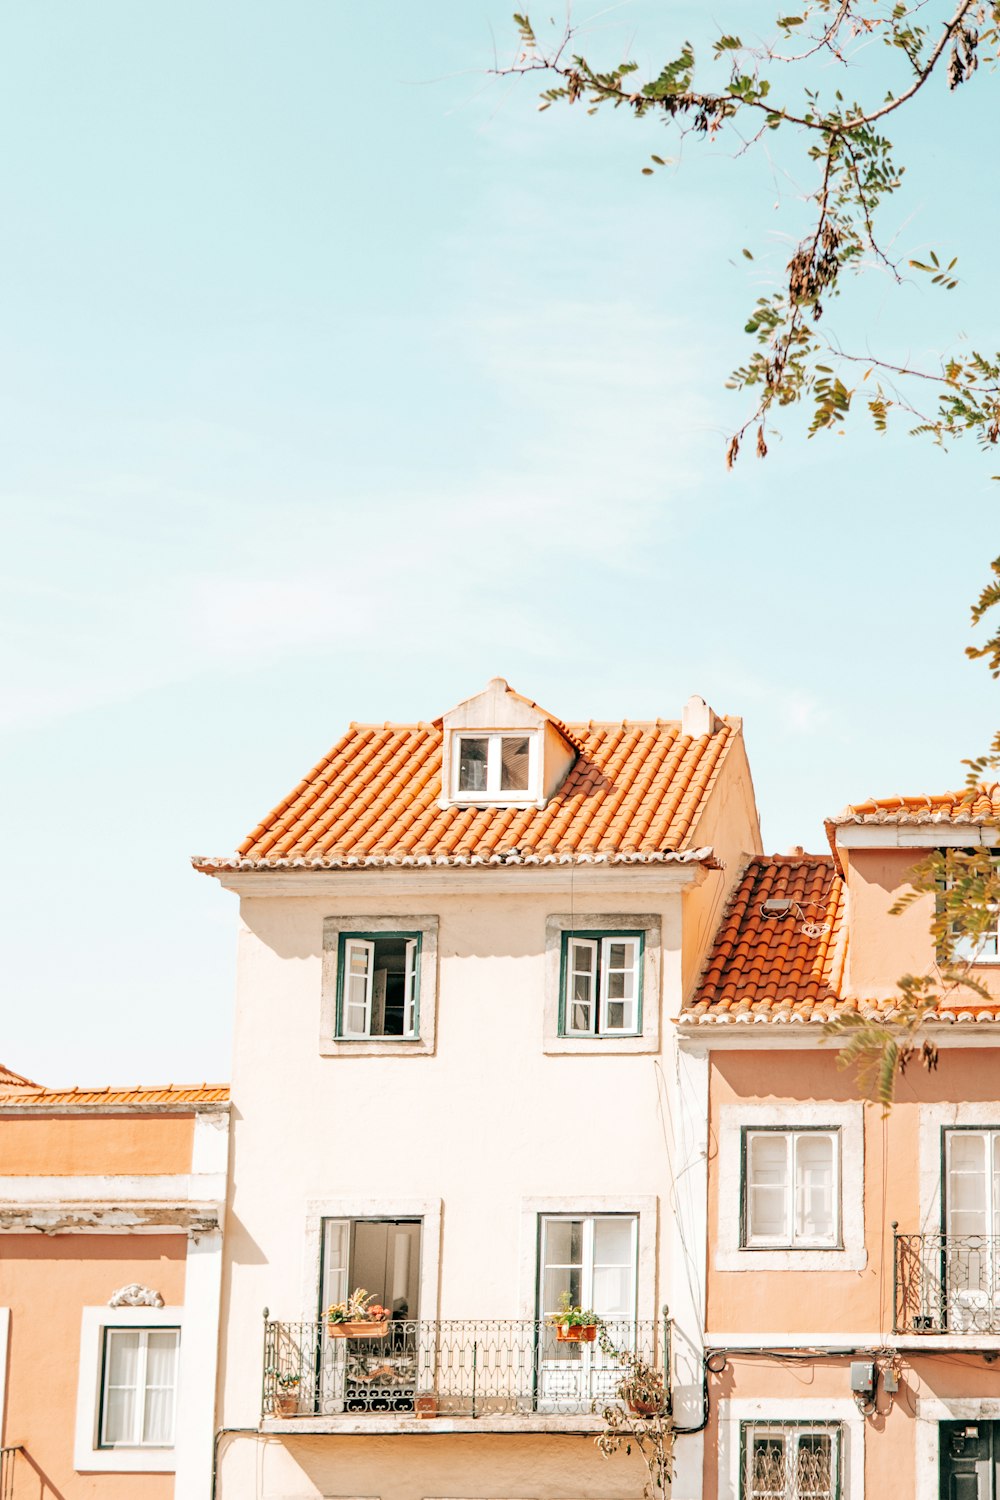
[
  {"x": 592, "y": 1258},
  {"x": 970, "y": 1273},
  {"x": 383, "y": 1257}
]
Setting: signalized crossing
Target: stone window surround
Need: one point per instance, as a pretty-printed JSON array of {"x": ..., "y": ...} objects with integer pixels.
[
  {"x": 794, "y": 1410},
  {"x": 733, "y": 1120},
  {"x": 88, "y": 1457},
  {"x": 648, "y": 1039},
  {"x": 423, "y": 1044}
]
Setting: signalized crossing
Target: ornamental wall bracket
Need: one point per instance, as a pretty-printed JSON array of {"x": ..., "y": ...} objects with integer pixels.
[{"x": 135, "y": 1295}]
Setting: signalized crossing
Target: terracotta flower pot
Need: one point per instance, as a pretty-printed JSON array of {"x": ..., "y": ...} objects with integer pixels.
[
  {"x": 644, "y": 1408},
  {"x": 286, "y": 1403},
  {"x": 360, "y": 1330},
  {"x": 426, "y": 1406},
  {"x": 584, "y": 1333}
]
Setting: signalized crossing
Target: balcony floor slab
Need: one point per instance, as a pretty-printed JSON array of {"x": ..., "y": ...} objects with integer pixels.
[{"x": 585, "y": 1425}]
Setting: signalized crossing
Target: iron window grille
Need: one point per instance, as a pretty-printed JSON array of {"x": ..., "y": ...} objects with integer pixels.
[{"x": 790, "y": 1460}]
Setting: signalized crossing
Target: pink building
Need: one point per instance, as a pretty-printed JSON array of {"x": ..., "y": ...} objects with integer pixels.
[{"x": 851, "y": 1262}]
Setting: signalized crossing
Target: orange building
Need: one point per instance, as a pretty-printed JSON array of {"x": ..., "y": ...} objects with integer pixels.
[
  {"x": 851, "y": 1261},
  {"x": 111, "y": 1206}
]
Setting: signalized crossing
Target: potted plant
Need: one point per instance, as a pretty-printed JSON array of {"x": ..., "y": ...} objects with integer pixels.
[
  {"x": 286, "y": 1396},
  {"x": 574, "y": 1325},
  {"x": 360, "y": 1317}
]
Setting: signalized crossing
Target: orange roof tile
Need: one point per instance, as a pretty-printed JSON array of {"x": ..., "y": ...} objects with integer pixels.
[
  {"x": 12, "y": 1080},
  {"x": 979, "y": 805},
  {"x": 634, "y": 794},
  {"x": 170, "y": 1093},
  {"x": 789, "y": 967},
  {"x": 762, "y": 960}
]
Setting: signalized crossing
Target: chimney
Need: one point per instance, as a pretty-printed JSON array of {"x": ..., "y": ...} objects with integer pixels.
[{"x": 698, "y": 719}]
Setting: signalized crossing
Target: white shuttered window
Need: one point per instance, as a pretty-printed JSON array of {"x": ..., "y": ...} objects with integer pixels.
[{"x": 791, "y": 1189}]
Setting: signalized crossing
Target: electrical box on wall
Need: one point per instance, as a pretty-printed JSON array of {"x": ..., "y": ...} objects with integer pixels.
[
  {"x": 890, "y": 1381},
  {"x": 862, "y": 1377}
]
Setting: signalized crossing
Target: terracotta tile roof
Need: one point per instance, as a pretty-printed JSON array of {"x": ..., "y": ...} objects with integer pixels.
[
  {"x": 634, "y": 794},
  {"x": 982, "y": 805},
  {"x": 12, "y": 1080},
  {"x": 764, "y": 968},
  {"x": 765, "y": 960},
  {"x": 170, "y": 1093}
]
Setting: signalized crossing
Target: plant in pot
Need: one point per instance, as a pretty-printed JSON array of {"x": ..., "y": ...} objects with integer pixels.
[
  {"x": 286, "y": 1393},
  {"x": 360, "y": 1317},
  {"x": 639, "y": 1418},
  {"x": 574, "y": 1325}
]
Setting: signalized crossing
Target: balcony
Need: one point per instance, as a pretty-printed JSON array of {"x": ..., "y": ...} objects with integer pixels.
[
  {"x": 946, "y": 1283},
  {"x": 506, "y": 1375}
]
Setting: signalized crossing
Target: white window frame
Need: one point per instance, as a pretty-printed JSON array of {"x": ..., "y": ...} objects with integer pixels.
[
  {"x": 599, "y": 1000},
  {"x": 421, "y": 964},
  {"x": 88, "y": 1454},
  {"x": 347, "y": 1004},
  {"x": 533, "y": 1210},
  {"x": 730, "y": 1254},
  {"x": 140, "y": 1388},
  {"x": 600, "y": 927},
  {"x": 493, "y": 792},
  {"x": 792, "y": 1138},
  {"x": 808, "y": 1412}
]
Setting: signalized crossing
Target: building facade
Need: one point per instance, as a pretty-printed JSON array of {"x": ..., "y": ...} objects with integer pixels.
[
  {"x": 852, "y": 1287},
  {"x": 463, "y": 949},
  {"x": 111, "y": 1207}
]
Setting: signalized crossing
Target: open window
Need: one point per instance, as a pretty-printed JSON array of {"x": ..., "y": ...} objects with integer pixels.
[
  {"x": 602, "y": 984},
  {"x": 379, "y": 987}
]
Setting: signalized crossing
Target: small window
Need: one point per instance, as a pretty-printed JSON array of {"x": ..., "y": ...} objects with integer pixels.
[
  {"x": 494, "y": 766},
  {"x": 791, "y": 1189},
  {"x": 601, "y": 991},
  {"x": 378, "y": 991},
  {"x": 789, "y": 1461},
  {"x": 139, "y": 1389}
]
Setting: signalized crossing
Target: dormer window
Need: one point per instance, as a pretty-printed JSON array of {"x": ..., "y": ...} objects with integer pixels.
[
  {"x": 494, "y": 763},
  {"x": 495, "y": 767}
]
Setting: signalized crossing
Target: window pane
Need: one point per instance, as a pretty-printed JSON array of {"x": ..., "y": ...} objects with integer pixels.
[
  {"x": 119, "y": 1408},
  {"x": 614, "y": 1267},
  {"x": 564, "y": 1242},
  {"x": 161, "y": 1366},
  {"x": 582, "y": 985},
  {"x": 513, "y": 763},
  {"x": 814, "y": 1467},
  {"x": 122, "y": 1355},
  {"x": 814, "y": 1181},
  {"x": 620, "y": 959},
  {"x": 967, "y": 1183},
  {"x": 767, "y": 1170},
  {"x": 767, "y": 1468},
  {"x": 472, "y": 760}
]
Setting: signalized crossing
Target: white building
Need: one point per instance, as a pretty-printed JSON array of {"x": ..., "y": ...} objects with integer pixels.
[{"x": 462, "y": 949}]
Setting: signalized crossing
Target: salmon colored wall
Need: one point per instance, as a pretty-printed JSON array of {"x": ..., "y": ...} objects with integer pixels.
[
  {"x": 108, "y": 1145},
  {"x": 852, "y": 1301},
  {"x": 890, "y": 1450},
  {"x": 882, "y": 947},
  {"x": 46, "y": 1282}
]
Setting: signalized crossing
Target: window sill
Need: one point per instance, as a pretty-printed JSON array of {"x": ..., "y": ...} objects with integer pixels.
[
  {"x": 377, "y": 1046},
  {"x": 752, "y": 1259}
]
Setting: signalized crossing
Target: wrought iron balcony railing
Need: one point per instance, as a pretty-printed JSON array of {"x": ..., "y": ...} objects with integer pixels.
[
  {"x": 8, "y": 1458},
  {"x": 946, "y": 1283},
  {"x": 451, "y": 1367}
]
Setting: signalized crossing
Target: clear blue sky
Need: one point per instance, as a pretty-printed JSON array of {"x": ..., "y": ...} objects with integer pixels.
[{"x": 336, "y": 380}]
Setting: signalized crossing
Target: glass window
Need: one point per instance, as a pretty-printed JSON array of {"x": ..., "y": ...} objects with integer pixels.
[
  {"x": 379, "y": 985},
  {"x": 790, "y": 1462},
  {"x": 601, "y": 984},
  {"x": 140, "y": 1387},
  {"x": 494, "y": 766},
  {"x": 791, "y": 1188}
]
